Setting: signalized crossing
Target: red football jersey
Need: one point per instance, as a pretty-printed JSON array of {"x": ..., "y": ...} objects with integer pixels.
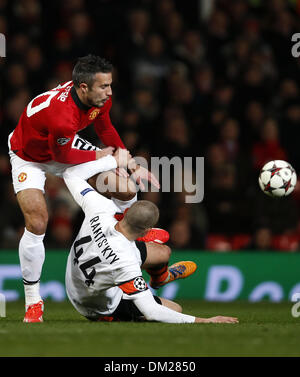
[{"x": 49, "y": 123}]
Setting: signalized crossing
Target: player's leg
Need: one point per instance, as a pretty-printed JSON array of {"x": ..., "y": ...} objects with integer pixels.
[
  {"x": 113, "y": 186},
  {"x": 28, "y": 181},
  {"x": 32, "y": 250},
  {"x": 155, "y": 261},
  {"x": 171, "y": 304}
]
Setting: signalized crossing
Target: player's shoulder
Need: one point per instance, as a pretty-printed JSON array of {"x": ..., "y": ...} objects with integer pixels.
[
  {"x": 63, "y": 99},
  {"x": 63, "y": 109}
]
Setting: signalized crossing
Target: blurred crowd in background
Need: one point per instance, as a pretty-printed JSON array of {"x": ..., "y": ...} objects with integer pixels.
[{"x": 191, "y": 78}]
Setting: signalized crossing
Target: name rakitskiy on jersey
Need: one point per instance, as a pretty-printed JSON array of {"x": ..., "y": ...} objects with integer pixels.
[{"x": 103, "y": 245}]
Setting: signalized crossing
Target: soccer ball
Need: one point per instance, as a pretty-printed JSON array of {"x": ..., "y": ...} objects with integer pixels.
[{"x": 277, "y": 178}]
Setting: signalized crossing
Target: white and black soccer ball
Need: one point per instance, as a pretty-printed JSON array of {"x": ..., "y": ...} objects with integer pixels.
[
  {"x": 140, "y": 284},
  {"x": 277, "y": 178}
]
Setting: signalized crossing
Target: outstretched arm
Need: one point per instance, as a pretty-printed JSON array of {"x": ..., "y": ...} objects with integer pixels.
[
  {"x": 156, "y": 312},
  {"x": 136, "y": 290}
]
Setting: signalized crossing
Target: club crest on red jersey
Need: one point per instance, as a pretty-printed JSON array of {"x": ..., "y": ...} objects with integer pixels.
[{"x": 94, "y": 114}]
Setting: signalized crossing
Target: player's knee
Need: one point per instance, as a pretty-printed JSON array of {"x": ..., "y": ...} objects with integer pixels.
[
  {"x": 171, "y": 305},
  {"x": 166, "y": 251},
  {"x": 37, "y": 223},
  {"x": 177, "y": 307},
  {"x": 125, "y": 190},
  {"x": 124, "y": 196}
]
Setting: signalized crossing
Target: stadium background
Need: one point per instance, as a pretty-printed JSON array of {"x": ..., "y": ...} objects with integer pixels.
[{"x": 216, "y": 81}]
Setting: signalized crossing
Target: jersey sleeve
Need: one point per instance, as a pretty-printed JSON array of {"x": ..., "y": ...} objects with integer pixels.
[
  {"x": 159, "y": 313},
  {"x": 106, "y": 131},
  {"x": 133, "y": 287},
  {"x": 83, "y": 193}
]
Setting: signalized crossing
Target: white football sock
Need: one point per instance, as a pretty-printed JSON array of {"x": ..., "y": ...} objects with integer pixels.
[
  {"x": 32, "y": 294},
  {"x": 32, "y": 256},
  {"x": 124, "y": 204}
]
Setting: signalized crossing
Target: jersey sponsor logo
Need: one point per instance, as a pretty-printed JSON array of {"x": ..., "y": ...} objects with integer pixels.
[
  {"x": 94, "y": 114},
  {"x": 134, "y": 286},
  {"x": 82, "y": 144},
  {"x": 22, "y": 177},
  {"x": 63, "y": 140},
  {"x": 85, "y": 191}
]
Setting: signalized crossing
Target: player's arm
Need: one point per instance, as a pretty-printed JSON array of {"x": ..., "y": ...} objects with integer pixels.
[
  {"x": 106, "y": 131},
  {"x": 63, "y": 151},
  {"x": 136, "y": 290},
  {"x": 153, "y": 311},
  {"x": 109, "y": 136},
  {"x": 61, "y": 143},
  {"x": 156, "y": 312},
  {"x": 75, "y": 178}
]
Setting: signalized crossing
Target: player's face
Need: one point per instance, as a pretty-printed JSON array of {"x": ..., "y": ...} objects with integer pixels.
[{"x": 100, "y": 91}]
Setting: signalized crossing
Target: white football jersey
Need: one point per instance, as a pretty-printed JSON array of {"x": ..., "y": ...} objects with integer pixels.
[{"x": 103, "y": 265}]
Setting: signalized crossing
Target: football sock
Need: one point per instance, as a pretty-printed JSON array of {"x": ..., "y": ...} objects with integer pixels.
[
  {"x": 32, "y": 294},
  {"x": 159, "y": 274},
  {"x": 122, "y": 204},
  {"x": 32, "y": 256}
]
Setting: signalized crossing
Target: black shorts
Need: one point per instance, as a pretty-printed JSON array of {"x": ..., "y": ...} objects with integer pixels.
[{"x": 143, "y": 250}]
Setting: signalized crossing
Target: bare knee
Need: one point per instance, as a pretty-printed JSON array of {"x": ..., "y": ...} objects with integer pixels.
[
  {"x": 36, "y": 223},
  {"x": 166, "y": 252},
  {"x": 177, "y": 307},
  {"x": 124, "y": 196},
  {"x": 156, "y": 255},
  {"x": 171, "y": 305}
]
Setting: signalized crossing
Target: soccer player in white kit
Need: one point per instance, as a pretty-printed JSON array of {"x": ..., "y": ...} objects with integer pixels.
[{"x": 103, "y": 278}]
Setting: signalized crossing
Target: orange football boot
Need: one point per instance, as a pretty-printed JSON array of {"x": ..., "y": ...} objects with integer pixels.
[{"x": 179, "y": 270}]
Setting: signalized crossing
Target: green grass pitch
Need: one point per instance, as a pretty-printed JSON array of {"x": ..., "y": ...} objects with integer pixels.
[{"x": 265, "y": 329}]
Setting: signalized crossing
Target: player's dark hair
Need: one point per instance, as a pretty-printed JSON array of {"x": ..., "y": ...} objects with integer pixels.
[{"x": 86, "y": 68}]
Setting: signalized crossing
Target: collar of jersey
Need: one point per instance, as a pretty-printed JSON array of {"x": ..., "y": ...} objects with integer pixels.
[{"x": 77, "y": 101}]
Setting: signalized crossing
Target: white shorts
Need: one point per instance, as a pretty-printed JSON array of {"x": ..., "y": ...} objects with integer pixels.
[{"x": 28, "y": 174}]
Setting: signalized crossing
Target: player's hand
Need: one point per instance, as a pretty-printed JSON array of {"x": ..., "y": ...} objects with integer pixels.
[
  {"x": 104, "y": 152},
  {"x": 121, "y": 172},
  {"x": 122, "y": 156},
  {"x": 217, "y": 319},
  {"x": 142, "y": 173}
]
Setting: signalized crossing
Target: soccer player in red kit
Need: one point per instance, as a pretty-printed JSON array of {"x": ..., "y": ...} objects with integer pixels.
[{"x": 46, "y": 141}]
